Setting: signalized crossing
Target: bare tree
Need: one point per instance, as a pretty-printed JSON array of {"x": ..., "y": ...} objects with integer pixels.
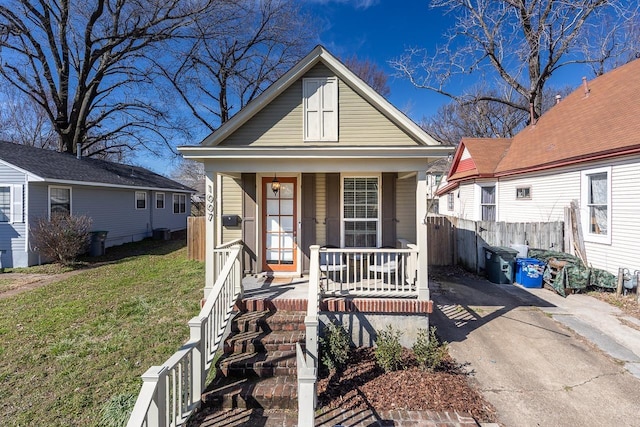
[
  {"x": 83, "y": 63},
  {"x": 227, "y": 66},
  {"x": 483, "y": 119},
  {"x": 520, "y": 44},
  {"x": 24, "y": 122},
  {"x": 369, "y": 71}
]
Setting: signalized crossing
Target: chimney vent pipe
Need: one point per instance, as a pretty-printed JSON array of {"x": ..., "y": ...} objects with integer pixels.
[
  {"x": 558, "y": 98},
  {"x": 78, "y": 150},
  {"x": 585, "y": 84}
]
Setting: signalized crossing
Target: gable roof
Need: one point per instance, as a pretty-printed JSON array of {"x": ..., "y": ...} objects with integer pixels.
[
  {"x": 319, "y": 55},
  {"x": 597, "y": 121},
  {"x": 52, "y": 166},
  {"x": 603, "y": 122},
  {"x": 478, "y": 157}
]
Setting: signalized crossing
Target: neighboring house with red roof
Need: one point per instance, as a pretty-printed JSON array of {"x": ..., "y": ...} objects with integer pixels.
[{"x": 586, "y": 148}]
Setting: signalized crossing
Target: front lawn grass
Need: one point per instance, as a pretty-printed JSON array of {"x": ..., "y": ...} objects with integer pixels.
[{"x": 68, "y": 347}]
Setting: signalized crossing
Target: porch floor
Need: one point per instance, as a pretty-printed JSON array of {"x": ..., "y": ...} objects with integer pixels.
[{"x": 291, "y": 294}]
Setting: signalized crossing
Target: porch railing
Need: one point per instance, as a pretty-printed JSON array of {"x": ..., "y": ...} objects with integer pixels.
[
  {"x": 375, "y": 272},
  {"x": 172, "y": 391}
]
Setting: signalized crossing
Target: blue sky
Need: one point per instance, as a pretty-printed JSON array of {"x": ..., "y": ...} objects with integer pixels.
[{"x": 381, "y": 30}]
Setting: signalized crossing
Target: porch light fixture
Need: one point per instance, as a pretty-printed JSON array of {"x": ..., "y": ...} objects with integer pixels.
[{"x": 275, "y": 185}]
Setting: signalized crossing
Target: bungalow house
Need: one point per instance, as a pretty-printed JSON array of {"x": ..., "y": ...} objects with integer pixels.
[
  {"x": 319, "y": 158},
  {"x": 585, "y": 149},
  {"x": 128, "y": 202}
]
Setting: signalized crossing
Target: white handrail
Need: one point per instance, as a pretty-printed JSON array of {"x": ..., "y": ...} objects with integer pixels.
[{"x": 171, "y": 392}]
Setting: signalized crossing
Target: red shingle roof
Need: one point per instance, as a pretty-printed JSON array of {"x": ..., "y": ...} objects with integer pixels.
[{"x": 603, "y": 123}]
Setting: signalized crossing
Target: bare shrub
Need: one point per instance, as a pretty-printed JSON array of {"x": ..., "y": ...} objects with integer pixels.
[{"x": 62, "y": 238}]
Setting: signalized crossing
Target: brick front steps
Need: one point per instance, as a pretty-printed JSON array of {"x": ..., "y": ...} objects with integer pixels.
[{"x": 258, "y": 367}]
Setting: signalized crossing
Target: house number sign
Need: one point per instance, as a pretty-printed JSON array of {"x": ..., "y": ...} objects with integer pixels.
[{"x": 210, "y": 203}]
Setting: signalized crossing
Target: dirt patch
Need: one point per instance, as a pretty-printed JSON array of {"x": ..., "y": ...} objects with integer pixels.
[
  {"x": 363, "y": 385},
  {"x": 627, "y": 303}
]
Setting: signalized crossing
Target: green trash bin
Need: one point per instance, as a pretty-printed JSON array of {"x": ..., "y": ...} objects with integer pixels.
[{"x": 500, "y": 264}]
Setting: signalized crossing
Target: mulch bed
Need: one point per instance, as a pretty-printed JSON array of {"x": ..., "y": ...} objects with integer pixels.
[{"x": 364, "y": 385}]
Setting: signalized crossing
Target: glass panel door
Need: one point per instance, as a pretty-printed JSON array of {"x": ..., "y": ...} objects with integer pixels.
[{"x": 279, "y": 230}]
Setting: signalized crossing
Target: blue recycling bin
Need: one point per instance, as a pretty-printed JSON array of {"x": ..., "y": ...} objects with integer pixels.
[{"x": 529, "y": 272}]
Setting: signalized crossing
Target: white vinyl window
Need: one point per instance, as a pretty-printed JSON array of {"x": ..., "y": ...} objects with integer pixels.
[
  {"x": 360, "y": 197},
  {"x": 523, "y": 193},
  {"x": 179, "y": 203},
  {"x": 141, "y": 200},
  {"x": 488, "y": 203},
  {"x": 596, "y": 205},
  {"x": 450, "y": 199},
  {"x": 5, "y": 204},
  {"x": 59, "y": 201},
  {"x": 159, "y": 200},
  {"x": 320, "y": 104}
]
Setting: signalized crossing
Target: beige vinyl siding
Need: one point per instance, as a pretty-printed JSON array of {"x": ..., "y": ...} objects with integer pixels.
[
  {"x": 321, "y": 209},
  {"x": 406, "y": 209},
  {"x": 625, "y": 234},
  {"x": 280, "y": 123},
  {"x": 231, "y": 205},
  {"x": 550, "y": 194}
]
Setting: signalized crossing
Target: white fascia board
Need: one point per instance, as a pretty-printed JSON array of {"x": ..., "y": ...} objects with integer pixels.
[
  {"x": 314, "y": 152},
  {"x": 30, "y": 176},
  {"x": 315, "y": 56},
  {"x": 265, "y": 98},
  {"x": 102, "y": 184}
]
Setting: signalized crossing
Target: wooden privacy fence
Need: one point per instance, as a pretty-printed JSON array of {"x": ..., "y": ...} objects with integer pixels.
[
  {"x": 196, "y": 238},
  {"x": 460, "y": 241},
  {"x": 441, "y": 241}
]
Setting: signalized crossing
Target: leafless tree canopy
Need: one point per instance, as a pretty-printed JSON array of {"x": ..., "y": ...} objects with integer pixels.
[
  {"x": 24, "y": 122},
  {"x": 83, "y": 63},
  {"x": 228, "y": 65},
  {"x": 520, "y": 44},
  {"x": 370, "y": 73}
]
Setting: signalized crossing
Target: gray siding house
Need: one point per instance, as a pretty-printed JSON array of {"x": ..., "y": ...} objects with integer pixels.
[{"x": 127, "y": 201}]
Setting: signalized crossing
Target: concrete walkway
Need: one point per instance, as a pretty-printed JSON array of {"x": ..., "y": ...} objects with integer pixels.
[{"x": 540, "y": 359}]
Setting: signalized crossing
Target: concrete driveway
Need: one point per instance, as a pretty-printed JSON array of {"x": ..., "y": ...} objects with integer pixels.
[{"x": 534, "y": 369}]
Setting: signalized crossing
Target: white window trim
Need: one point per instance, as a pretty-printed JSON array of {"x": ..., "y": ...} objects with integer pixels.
[
  {"x": 323, "y": 83},
  {"x": 524, "y": 187},
  {"x": 11, "y": 191},
  {"x": 135, "y": 200},
  {"x": 584, "y": 209},
  {"x": 164, "y": 204},
  {"x": 49, "y": 198},
  {"x": 478, "y": 197},
  {"x": 342, "y": 218},
  {"x": 173, "y": 203}
]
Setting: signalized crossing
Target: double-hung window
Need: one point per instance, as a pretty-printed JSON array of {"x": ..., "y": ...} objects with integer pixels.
[
  {"x": 59, "y": 201},
  {"x": 159, "y": 200},
  {"x": 179, "y": 203},
  {"x": 450, "y": 200},
  {"x": 596, "y": 205},
  {"x": 141, "y": 200},
  {"x": 5, "y": 204},
  {"x": 361, "y": 212},
  {"x": 488, "y": 203}
]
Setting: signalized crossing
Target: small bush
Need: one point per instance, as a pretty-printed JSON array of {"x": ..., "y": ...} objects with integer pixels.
[
  {"x": 428, "y": 351},
  {"x": 388, "y": 350},
  {"x": 117, "y": 410},
  {"x": 62, "y": 238},
  {"x": 334, "y": 346}
]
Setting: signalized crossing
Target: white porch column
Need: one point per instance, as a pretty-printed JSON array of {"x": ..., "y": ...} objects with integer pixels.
[
  {"x": 421, "y": 235},
  {"x": 211, "y": 184}
]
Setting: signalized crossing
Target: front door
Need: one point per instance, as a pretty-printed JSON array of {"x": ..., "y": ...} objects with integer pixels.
[{"x": 279, "y": 226}]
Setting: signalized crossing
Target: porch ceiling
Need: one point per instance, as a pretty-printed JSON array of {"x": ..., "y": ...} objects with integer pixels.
[{"x": 315, "y": 159}]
